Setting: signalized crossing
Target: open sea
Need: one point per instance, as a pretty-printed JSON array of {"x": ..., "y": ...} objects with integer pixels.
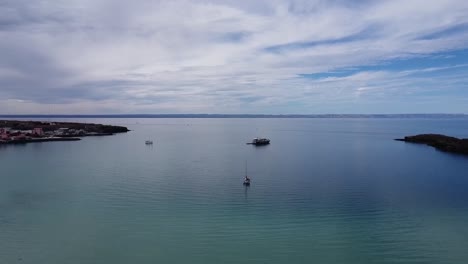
[{"x": 324, "y": 191}]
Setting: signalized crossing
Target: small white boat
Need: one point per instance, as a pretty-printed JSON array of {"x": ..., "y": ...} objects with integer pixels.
[
  {"x": 246, "y": 181},
  {"x": 149, "y": 142}
]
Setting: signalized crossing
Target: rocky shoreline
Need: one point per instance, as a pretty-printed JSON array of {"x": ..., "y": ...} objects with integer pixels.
[
  {"x": 440, "y": 142},
  {"x": 20, "y": 132},
  {"x": 52, "y": 125},
  {"x": 33, "y": 140}
]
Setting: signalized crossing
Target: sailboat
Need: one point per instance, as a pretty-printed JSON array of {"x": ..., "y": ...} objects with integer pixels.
[{"x": 246, "y": 178}]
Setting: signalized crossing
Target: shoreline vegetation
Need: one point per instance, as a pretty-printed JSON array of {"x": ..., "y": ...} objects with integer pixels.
[
  {"x": 440, "y": 142},
  {"x": 21, "y": 132}
]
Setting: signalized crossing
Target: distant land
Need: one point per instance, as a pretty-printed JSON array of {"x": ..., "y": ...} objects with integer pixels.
[
  {"x": 242, "y": 116},
  {"x": 20, "y": 132},
  {"x": 440, "y": 142}
]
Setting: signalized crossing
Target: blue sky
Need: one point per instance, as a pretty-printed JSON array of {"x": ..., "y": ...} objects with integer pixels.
[{"x": 226, "y": 56}]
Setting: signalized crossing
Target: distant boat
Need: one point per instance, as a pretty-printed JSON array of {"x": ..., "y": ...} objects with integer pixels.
[
  {"x": 260, "y": 141},
  {"x": 149, "y": 142},
  {"x": 247, "y": 182},
  {"x": 246, "y": 178}
]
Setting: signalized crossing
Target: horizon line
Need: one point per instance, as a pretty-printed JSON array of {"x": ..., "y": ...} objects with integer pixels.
[{"x": 407, "y": 115}]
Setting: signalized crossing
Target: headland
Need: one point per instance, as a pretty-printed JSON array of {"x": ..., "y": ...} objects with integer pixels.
[
  {"x": 440, "y": 142},
  {"x": 17, "y": 132}
]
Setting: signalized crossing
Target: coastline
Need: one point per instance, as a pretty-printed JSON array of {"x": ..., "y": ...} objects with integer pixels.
[
  {"x": 36, "y": 140},
  {"x": 22, "y": 132},
  {"x": 440, "y": 142}
]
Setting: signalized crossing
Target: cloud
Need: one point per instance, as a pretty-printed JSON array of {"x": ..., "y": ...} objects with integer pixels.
[{"x": 225, "y": 56}]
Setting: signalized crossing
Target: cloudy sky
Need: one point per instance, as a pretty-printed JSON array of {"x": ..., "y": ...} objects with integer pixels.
[{"x": 233, "y": 56}]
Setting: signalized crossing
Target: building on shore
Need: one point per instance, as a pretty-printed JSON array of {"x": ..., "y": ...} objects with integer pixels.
[
  {"x": 38, "y": 131},
  {"x": 5, "y": 136}
]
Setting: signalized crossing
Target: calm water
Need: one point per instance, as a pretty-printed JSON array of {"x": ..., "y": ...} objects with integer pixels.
[{"x": 324, "y": 191}]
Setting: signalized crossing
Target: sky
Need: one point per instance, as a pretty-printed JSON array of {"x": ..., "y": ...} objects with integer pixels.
[{"x": 233, "y": 56}]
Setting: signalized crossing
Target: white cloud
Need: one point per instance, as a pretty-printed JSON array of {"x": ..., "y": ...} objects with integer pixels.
[{"x": 213, "y": 56}]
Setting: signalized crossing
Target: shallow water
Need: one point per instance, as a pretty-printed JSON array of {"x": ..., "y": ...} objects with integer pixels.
[{"x": 324, "y": 191}]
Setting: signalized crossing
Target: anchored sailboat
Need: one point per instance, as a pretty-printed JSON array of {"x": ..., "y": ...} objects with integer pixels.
[{"x": 246, "y": 178}]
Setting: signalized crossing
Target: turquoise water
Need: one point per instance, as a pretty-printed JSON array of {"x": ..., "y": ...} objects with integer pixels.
[{"x": 324, "y": 191}]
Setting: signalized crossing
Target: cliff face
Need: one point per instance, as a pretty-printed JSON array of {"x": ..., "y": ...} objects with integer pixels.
[{"x": 440, "y": 142}]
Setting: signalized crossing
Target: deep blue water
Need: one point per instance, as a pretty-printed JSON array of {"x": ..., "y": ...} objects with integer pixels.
[{"x": 324, "y": 191}]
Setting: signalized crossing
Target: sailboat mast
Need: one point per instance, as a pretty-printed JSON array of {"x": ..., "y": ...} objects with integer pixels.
[{"x": 245, "y": 168}]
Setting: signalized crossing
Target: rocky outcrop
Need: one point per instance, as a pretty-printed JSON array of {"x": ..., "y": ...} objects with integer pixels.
[
  {"x": 440, "y": 142},
  {"x": 53, "y": 125}
]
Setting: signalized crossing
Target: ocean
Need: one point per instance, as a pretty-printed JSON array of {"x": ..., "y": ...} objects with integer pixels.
[{"x": 326, "y": 190}]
